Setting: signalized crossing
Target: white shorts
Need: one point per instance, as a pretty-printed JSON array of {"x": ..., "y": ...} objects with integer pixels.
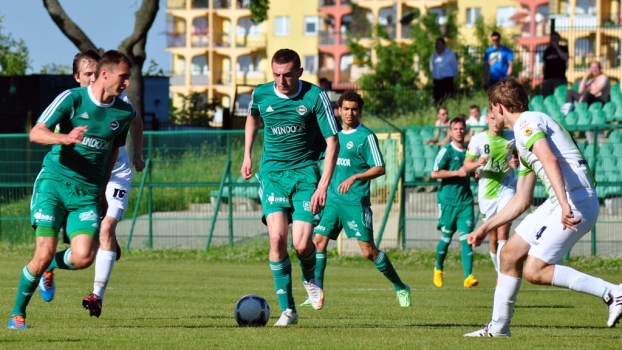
[
  {"x": 117, "y": 195},
  {"x": 489, "y": 207},
  {"x": 542, "y": 229}
]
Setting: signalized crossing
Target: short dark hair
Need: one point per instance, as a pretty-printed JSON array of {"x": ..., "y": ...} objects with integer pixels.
[
  {"x": 474, "y": 107},
  {"x": 438, "y": 109},
  {"x": 440, "y": 39},
  {"x": 284, "y": 56},
  {"x": 111, "y": 59},
  {"x": 511, "y": 94},
  {"x": 458, "y": 119},
  {"x": 323, "y": 80},
  {"x": 351, "y": 96},
  {"x": 556, "y": 34},
  {"x": 495, "y": 34},
  {"x": 86, "y": 55}
]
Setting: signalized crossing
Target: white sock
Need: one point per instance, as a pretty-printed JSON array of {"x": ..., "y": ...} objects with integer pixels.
[
  {"x": 566, "y": 277},
  {"x": 500, "y": 245},
  {"x": 503, "y": 307},
  {"x": 104, "y": 261},
  {"x": 495, "y": 260}
]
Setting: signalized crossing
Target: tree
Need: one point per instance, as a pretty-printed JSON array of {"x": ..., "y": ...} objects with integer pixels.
[
  {"x": 133, "y": 46},
  {"x": 195, "y": 110},
  {"x": 14, "y": 58},
  {"x": 259, "y": 10},
  {"x": 56, "y": 69}
]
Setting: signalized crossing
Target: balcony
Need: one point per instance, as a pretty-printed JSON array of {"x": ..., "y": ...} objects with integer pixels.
[
  {"x": 250, "y": 78},
  {"x": 199, "y": 79},
  {"x": 177, "y": 78},
  {"x": 251, "y": 40},
  {"x": 327, "y": 3},
  {"x": 562, "y": 22},
  {"x": 222, "y": 77},
  {"x": 330, "y": 38},
  {"x": 176, "y": 4},
  {"x": 243, "y": 4},
  {"x": 176, "y": 40},
  {"x": 199, "y": 40},
  {"x": 200, "y": 4},
  {"x": 221, "y": 4}
]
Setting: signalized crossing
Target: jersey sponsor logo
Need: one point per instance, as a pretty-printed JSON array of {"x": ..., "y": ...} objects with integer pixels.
[
  {"x": 358, "y": 234},
  {"x": 469, "y": 223},
  {"x": 349, "y": 145},
  {"x": 320, "y": 228},
  {"x": 301, "y": 110},
  {"x": 343, "y": 161},
  {"x": 273, "y": 199},
  {"x": 95, "y": 143},
  {"x": 456, "y": 158},
  {"x": 84, "y": 116},
  {"x": 289, "y": 129},
  {"x": 269, "y": 109},
  {"x": 306, "y": 206},
  {"x": 352, "y": 225},
  {"x": 114, "y": 125},
  {"x": 39, "y": 216},
  {"x": 528, "y": 132},
  {"x": 88, "y": 216}
]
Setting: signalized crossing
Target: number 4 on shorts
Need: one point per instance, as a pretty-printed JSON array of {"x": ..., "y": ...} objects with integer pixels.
[{"x": 539, "y": 234}]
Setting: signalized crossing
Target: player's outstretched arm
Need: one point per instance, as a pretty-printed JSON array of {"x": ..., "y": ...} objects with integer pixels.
[
  {"x": 446, "y": 174},
  {"x": 318, "y": 200},
  {"x": 370, "y": 174},
  {"x": 553, "y": 172},
  {"x": 250, "y": 133},
  {"x": 136, "y": 131},
  {"x": 471, "y": 164},
  {"x": 42, "y": 135},
  {"x": 515, "y": 207}
]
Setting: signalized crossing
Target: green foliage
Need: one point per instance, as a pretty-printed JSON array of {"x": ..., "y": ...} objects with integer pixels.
[
  {"x": 56, "y": 69},
  {"x": 14, "y": 56},
  {"x": 259, "y": 10},
  {"x": 154, "y": 70},
  {"x": 195, "y": 110}
]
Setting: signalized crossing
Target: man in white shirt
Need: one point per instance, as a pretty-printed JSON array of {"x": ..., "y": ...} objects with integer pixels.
[{"x": 444, "y": 68}]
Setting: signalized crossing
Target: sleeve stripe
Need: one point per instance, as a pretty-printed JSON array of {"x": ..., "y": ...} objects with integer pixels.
[
  {"x": 250, "y": 104},
  {"x": 52, "y": 107},
  {"x": 329, "y": 112},
  {"x": 440, "y": 155},
  {"x": 373, "y": 145}
]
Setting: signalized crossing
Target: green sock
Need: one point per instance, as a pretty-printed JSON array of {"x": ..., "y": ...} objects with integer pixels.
[
  {"x": 383, "y": 264},
  {"x": 320, "y": 267},
  {"x": 282, "y": 272},
  {"x": 441, "y": 250},
  {"x": 61, "y": 261},
  {"x": 27, "y": 286},
  {"x": 307, "y": 264},
  {"x": 466, "y": 255}
]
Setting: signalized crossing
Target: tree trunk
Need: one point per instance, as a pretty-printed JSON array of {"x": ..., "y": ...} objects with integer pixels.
[{"x": 133, "y": 46}]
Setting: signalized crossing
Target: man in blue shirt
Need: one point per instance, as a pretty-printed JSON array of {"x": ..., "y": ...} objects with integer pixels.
[{"x": 498, "y": 62}]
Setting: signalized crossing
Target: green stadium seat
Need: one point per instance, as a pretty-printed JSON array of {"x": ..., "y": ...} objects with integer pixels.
[
  {"x": 552, "y": 110},
  {"x": 601, "y": 176},
  {"x": 599, "y": 118},
  {"x": 618, "y": 114},
  {"x": 575, "y": 87},
  {"x": 560, "y": 94},
  {"x": 558, "y": 117},
  {"x": 539, "y": 191},
  {"x": 615, "y": 88},
  {"x": 583, "y": 120},
  {"x": 571, "y": 119},
  {"x": 581, "y": 106},
  {"x": 419, "y": 167},
  {"x": 615, "y": 137},
  {"x": 430, "y": 151},
  {"x": 532, "y": 107},
  {"x": 537, "y": 99},
  {"x": 595, "y": 106},
  {"x": 588, "y": 152},
  {"x": 610, "y": 111}
]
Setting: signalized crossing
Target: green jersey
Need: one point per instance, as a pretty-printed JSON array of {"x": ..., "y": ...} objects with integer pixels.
[
  {"x": 358, "y": 152},
  {"x": 455, "y": 191},
  {"x": 295, "y": 127},
  {"x": 85, "y": 164},
  {"x": 496, "y": 177}
]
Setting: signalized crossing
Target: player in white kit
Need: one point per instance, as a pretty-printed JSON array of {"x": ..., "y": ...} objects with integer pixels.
[
  {"x": 548, "y": 152},
  {"x": 117, "y": 194},
  {"x": 493, "y": 154}
]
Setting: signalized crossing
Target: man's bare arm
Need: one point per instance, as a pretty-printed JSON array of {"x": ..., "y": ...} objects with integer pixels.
[
  {"x": 250, "y": 133},
  {"x": 42, "y": 135}
]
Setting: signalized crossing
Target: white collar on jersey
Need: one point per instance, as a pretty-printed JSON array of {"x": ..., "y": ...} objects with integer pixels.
[
  {"x": 353, "y": 130},
  {"x": 95, "y": 101},
  {"x": 282, "y": 95},
  {"x": 456, "y": 148}
]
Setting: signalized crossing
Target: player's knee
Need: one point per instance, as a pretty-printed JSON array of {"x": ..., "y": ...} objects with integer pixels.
[
  {"x": 82, "y": 261},
  {"x": 534, "y": 276},
  {"x": 370, "y": 252},
  {"x": 321, "y": 242},
  {"x": 304, "y": 247},
  {"x": 277, "y": 242}
]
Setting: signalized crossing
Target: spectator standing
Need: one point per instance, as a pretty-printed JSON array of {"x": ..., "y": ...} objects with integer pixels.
[
  {"x": 595, "y": 86},
  {"x": 444, "y": 68},
  {"x": 498, "y": 62},
  {"x": 554, "y": 57}
]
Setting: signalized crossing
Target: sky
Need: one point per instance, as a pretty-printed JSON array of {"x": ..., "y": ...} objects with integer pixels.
[{"x": 105, "y": 22}]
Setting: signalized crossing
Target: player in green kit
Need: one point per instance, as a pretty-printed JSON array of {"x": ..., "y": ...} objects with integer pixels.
[
  {"x": 455, "y": 203},
  {"x": 493, "y": 152},
  {"x": 298, "y": 125},
  {"x": 93, "y": 125},
  {"x": 348, "y": 206}
]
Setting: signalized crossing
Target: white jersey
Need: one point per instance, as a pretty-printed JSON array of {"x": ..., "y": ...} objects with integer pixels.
[
  {"x": 122, "y": 172},
  {"x": 532, "y": 126},
  {"x": 497, "y": 178}
]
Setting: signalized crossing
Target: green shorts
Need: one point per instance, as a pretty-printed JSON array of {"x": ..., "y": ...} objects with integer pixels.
[
  {"x": 356, "y": 220},
  {"x": 56, "y": 203},
  {"x": 289, "y": 191},
  {"x": 452, "y": 218}
]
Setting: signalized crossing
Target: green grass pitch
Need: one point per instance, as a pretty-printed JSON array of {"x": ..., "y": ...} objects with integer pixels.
[{"x": 184, "y": 300}]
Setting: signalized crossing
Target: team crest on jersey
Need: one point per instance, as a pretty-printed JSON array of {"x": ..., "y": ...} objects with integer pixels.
[
  {"x": 528, "y": 132},
  {"x": 523, "y": 124},
  {"x": 508, "y": 147},
  {"x": 349, "y": 145},
  {"x": 114, "y": 125},
  {"x": 301, "y": 110}
]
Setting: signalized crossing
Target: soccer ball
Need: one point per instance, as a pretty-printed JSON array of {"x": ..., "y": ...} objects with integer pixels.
[{"x": 252, "y": 311}]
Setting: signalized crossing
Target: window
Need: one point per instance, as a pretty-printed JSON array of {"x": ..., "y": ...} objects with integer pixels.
[
  {"x": 310, "y": 64},
  {"x": 504, "y": 14},
  {"x": 472, "y": 14},
  {"x": 311, "y": 25},
  {"x": 281, "y": 26}
]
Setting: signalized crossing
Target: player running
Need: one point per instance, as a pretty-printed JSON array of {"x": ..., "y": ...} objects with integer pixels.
[
  {"x": 548, "y": 152},
  {"x": 297, "y": 118},
  {"x": 455, "y": 203},
  {"x": 93, "y": 125},
  {"x": 493, "y": 152},
  {"x": 348, "y": 205}
]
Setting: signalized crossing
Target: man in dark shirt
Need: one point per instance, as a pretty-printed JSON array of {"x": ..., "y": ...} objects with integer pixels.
[{"x": 554, "y": 71}]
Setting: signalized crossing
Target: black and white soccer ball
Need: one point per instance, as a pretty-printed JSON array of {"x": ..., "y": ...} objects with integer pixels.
[{"x": 252, "y": 311}]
